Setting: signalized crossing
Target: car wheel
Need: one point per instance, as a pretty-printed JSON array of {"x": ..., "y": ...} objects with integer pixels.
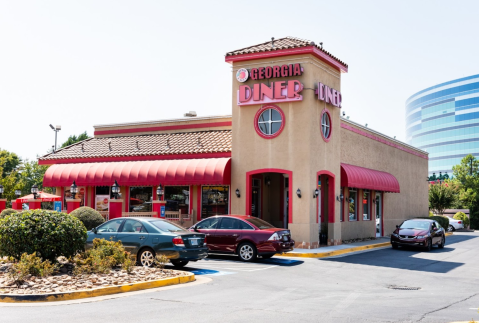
[
  {"x": 394, "y": 245},
  {"x": 179, "y": 263},
  {"x": 450, "y": 228},
  {"x": 428, "y": 246},
  {"x": 267, "y": 256},
  {"x": 247, "y": 252},
  {"x": 146, "y": 257},
  {"x": 443, "y": 242}
]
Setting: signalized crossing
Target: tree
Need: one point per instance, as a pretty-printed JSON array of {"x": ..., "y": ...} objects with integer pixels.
[
  {"x": 32, "y": 173},
  {"x": 442, "y": 196},
  {"x": 466, "y": 174},
  {"x": 74, "y": 139}
]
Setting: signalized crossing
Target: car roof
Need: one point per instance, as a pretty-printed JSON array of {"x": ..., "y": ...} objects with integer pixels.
[
  {"x": 141, "y": 218},
  {"x": 237, "y": 216},
  {"x": 427, "y": 220}
]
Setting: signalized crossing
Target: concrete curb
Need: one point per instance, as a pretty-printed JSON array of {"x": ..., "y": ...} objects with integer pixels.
[
  {"x": 338, "y": 252},
  {"x": 68, "y": 296}
]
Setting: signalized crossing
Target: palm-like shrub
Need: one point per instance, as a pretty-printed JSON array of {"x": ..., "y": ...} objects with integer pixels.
[
  {"x": 7, "y": 212},
  {"x": 90, "y": 217},
  {"x": 50, "y": 234}
]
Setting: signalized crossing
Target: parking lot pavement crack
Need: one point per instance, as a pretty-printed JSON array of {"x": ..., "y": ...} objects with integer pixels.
[{"x": 447, "y": 306}]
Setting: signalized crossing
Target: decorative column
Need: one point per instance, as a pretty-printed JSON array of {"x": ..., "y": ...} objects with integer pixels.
[
  {"x": 3, "y": 204},
  {"x": 72, "y": 204},
  {"x": 34, "y": 204},
  {"x": 16, "y": 205},
  {"x": 115, "y": 209},
  {"x": 159, "y": 208}
]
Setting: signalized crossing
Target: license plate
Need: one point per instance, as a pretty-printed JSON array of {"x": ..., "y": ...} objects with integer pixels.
[{"x": 194, "y": 242}]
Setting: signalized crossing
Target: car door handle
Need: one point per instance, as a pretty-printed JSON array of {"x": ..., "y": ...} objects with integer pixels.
[
  {"x": 235, "y": 235},
  {"x": 142, "y": 237},
  {"x": 207, "y": 234}
]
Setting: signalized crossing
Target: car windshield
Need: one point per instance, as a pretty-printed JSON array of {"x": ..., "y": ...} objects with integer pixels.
[
  {"x": 260, "y": 223},
  {"x": 166, "y": 226},
  {"x": 411, "y": 224}
]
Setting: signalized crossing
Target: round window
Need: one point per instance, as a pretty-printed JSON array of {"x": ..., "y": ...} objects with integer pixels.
[
  {"x": 326, "y": 125},
  {"x": 269, "y": 121}
]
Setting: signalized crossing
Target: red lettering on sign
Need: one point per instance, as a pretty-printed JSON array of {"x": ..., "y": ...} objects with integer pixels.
[
  {"x": 256, "y": 92},
  {"x": 254, "y": 73},
  {"x": 297, "y": 70},
  {"x": 267, "y": 91},
  {"x": 329, "y": 94},
  {"x": 278, "y": 88},
  {"x": 276, "y": 71},
  {"x": 268, "y": 72},
  {"x": 244, "y": 93},
  {"x": 261, "y": 73},
  {"x": 284, "y": 70},
  {"x": 340, "y": 99},
  {"x": 294, "y": 87},
  {"x": 321, "y": 91}
]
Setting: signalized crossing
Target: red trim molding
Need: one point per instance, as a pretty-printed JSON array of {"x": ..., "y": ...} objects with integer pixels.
[
  {"x": 164, "y": 128},
  {"x": 131, "y": 158},
  {"x": 290, "y": 51},
  {"x": 326, "y": 111},
  {"x": 249, "y": 176},
  {"x": 258, "y": 114},
  {"x": 198, "y": 203},
  {"x": 381, "y": 140}
]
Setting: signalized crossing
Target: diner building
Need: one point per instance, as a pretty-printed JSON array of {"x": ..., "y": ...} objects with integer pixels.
[{"x": 284, "y": 155}]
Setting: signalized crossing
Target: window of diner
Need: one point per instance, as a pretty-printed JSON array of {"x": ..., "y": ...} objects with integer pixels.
[
  {"x": 352, "y": 205},
  {"x": 177, "y": 198},
  {"x": 214, "y": 200},
  {"x": 341, "y": 205},
  {"x": 270, "y": 122},
  {"x": 326, "y": 125},
  {"x": 102, "y": 196},
  {"x": 141, "y": 199},
  {"x": 366, "y": 205}
]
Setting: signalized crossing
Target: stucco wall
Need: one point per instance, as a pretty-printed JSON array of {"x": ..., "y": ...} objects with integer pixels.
[{"x": 409, "y": 169}]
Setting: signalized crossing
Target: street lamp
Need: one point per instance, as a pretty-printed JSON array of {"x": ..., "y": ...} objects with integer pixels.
[
  {"x": 34, "y": 191},
  {"x": 115, "y": 189},
  {"x": 1, "y": 190},
  {"x": 56, "y": 129},
  {"x": 159, "y": 192},
  {"x": 74, "y": 189},
  {"x": 18, "y": 193}
]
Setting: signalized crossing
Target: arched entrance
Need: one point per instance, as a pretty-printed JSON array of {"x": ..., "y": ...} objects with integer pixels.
[{"x": 269, "y": 193}]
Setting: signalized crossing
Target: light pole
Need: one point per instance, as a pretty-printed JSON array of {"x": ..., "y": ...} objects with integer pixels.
[{"x": 56, "y": 129}]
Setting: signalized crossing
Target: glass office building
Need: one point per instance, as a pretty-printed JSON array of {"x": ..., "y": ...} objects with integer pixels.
[{"x": 444, "y": 121}]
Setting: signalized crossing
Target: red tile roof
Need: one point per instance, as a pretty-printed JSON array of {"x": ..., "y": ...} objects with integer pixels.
[
  {"x": 200, "y": 142},
  {"x": 281, "y": 43}
]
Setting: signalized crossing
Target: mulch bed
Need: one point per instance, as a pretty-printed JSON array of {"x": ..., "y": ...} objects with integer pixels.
[
  {"x": 69, "y": 283},
  {"x": 359, "y": 240}
]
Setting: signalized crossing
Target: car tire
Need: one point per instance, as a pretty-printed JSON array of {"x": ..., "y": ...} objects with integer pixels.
[
  {"x": 146, "y": 257},
  {"x": 443, "y": 242},
  {"x": 394, "y": 245},
  {"x": 179, "y": 263},
  {"x": 450, "y": 228},
  {"x": 267, "y": 256},
  {"x": 247, "y": 252},
  {"x": 428, "y": 247}
]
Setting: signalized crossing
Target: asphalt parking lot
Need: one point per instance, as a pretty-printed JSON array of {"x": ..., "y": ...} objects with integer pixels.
[{"x": 382, "y": 285}]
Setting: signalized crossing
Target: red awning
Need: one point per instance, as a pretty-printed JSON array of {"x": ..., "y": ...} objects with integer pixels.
[
  {"x": 214, "y": 171},
  {"x": 360, "y": 177}
]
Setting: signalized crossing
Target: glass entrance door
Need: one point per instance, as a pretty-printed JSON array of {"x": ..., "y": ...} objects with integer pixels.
[
  {"x": 379, "y": 215},
  {"x": 256, "y": 198}
]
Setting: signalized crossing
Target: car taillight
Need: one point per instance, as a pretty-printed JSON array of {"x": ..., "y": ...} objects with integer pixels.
[
  {"x": 178, "y": 241},
  {"x": 274, "y": 237},
  {"x": 459, "y": 222}
]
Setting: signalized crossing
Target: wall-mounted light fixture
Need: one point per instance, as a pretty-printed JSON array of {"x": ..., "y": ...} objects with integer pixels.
[
  {"x": 34, "y": 191},
  {"x": 316, "y": 193},
  {"x": 238, "y": 195},
  {"x": 340, "y": 197},
  {"x": 115, "y": 189},
  {"x": 74, "y": 189},
  {"x": 267, "y": 180},
  {"x": 159, "y": 192},
  {"x": 298, "y": 192}
]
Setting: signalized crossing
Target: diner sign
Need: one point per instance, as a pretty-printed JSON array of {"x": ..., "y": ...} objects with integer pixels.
[
  {"x": 329, "y": 95},
  {"x": 261, "y": 93}
]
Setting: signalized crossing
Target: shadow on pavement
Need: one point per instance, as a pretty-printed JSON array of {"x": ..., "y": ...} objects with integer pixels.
[{"x": 270, "y": 261}]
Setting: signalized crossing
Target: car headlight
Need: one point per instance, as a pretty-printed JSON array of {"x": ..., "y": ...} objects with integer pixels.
[
  {"x": 274, "y": 237},
  {"x": 421, "y": 237}
]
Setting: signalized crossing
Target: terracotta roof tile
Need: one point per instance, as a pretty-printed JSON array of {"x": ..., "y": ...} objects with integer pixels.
[
  {"x": 147, "y": 145},
  {"x": 281, "y": 43}
]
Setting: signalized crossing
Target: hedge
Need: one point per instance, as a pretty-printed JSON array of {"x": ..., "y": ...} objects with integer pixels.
[{"x": 88, "y": 216}]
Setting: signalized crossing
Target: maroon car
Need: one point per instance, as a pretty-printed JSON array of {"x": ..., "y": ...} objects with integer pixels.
[
  {"x": 422, "y": 233},
  {"x": 244, "y": 235}
]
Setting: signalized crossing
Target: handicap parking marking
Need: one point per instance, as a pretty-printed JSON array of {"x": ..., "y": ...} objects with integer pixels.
[
  {"x": 221, "y": 265},
  {"x": 281, "y": 261},
  {"x": 209, "y": 272}
]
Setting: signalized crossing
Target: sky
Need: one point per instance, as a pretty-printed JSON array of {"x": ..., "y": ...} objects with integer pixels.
[{"x": 84, "y": 63}]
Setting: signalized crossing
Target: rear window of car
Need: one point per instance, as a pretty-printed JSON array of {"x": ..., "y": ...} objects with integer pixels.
[
  {"x": 260, "y": 223},
  {"x": 166, "y": 226},
  {"x": 411, "y": 224}
]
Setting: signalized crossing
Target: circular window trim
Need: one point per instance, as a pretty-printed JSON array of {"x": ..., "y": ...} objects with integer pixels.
[
  {"x": 326, "y": 111},
  {"x": 258, "y": 114}
]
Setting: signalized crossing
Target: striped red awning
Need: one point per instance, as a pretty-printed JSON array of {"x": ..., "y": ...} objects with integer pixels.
[
  {"x": 365, "y": 178},
  {"x": 213, "y": 171}
]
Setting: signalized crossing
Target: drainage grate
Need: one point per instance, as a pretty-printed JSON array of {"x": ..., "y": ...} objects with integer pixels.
[{"x": 403, "y": 287}]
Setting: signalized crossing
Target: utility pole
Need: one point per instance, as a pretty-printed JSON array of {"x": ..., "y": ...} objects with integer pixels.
[{"x": 56, "y": 129}]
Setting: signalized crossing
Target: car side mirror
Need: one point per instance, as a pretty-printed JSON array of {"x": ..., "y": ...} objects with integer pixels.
[
  {"x": 397, "y": 226},
  {"x": 434, "y": 229},
  {"x": 94, "y": 230}
]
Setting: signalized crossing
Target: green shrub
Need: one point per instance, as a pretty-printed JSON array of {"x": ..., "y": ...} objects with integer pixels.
[
  {"x": 51, "y": 234},
  {"x": 430, "y": 213},
  {"x": 30, "y": 265},
  {"x": 102, "y": 258},
  {"x": 7, "y": 212},
  {"x": 90, "y": 217},
  {"x": 443, "y": 220},
  {"x": 463, "y": 217}
]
